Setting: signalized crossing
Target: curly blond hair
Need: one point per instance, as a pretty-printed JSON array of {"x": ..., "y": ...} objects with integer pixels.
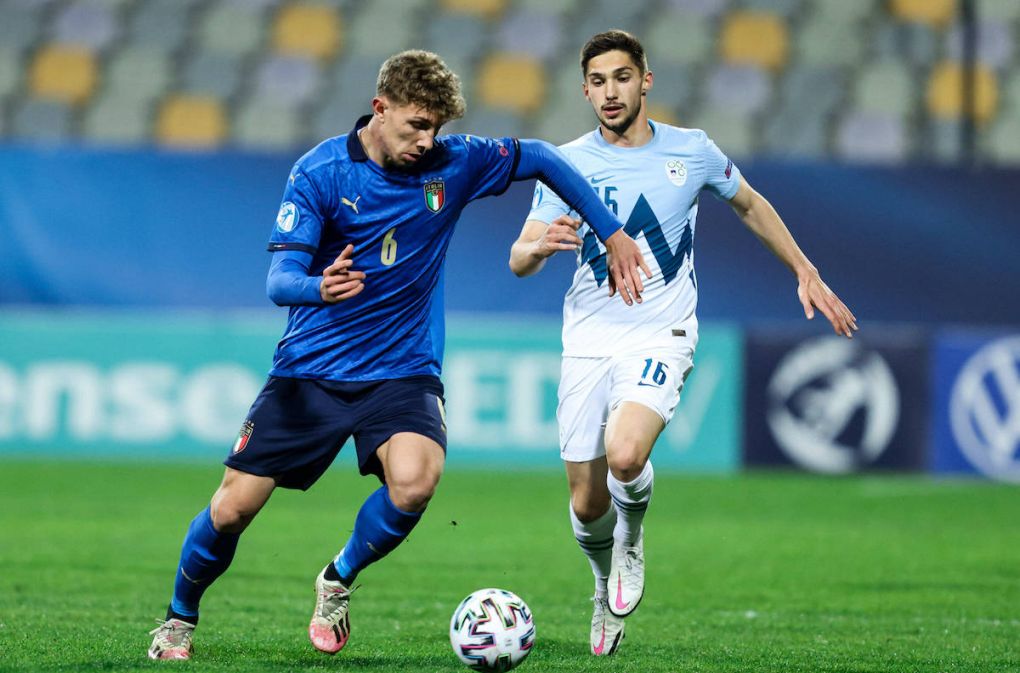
[{"x": 418, "y": 77}]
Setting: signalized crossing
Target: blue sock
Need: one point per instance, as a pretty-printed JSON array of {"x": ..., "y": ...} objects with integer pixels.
[
  {"x": 205, "y": 555},
  {"x": 378, "y": 529}
]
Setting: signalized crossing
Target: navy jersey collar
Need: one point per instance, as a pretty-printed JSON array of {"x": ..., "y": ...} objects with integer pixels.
[{"x": 354, "y": 147}]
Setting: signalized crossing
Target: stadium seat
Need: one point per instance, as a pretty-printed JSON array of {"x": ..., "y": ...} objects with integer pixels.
[
  {"x": 1011, "y": 93},
  {"x": 742, "y": 88},
  {"x": 566, "y": 112},
  {"x": 85, "y": 23},
  {"x": 830, "y": 41},
  {"x": 63, "y": 73},
  {"x": 915, "y": 44},
  {"x": 602, "y": 15},
  {"x": 818, "y": 91},
  {"x": 678, "y": 39},
  {"x": 1002, "y": 140},
  {"x": 497, "y": 122},
  {"x": 732, "y": 131},
  {"x": 996, "y": 44},
  {"x": 338, "y": 114},
  {"x": 784, "y": 8},
  {"x": 191, "y": 122},
  {"x": 513, "y": 82},
  {"x": 380, "y": 30},
  {"x": 42, "y": 121},
  {"x": 872, "y": 137},
  {"x": 473, "y": 36},
  {"x": 754, "y": 38},
  {"x": 1006, "y": 11},
  {"x": 212, "y": 73},
  {"x": 355, "y": 77},
  {"x": 263, "y": 126},
  {"x": 705, "y": 8},
  {"x": 557, "y": 7},
  {"x": 942, "y": 141},
  {"x": 935, "y": 13},
  {"x": 887, "y": 87},
  {"x": 842, "y": 12},
  {"x": 663, "y": 113},
  {"x": 309, "y": 30},
  {"x": 793, "y": 133},
  {"x": 287, "y": 81},
  {"x": 115, "y": 120},
  {"x": 232, "y": 28},
  {"x": 10, "y": 70},
  {"x": 139, "y": 72},
  {"x": 20, "y": 26},
  {"x": 487, "y": 8},
  {"x": 161, "y": 24},
  {"x": 530, "y": 33},
  {"x": 674, "y": 86},
  {"x": 945, "y": 92}
]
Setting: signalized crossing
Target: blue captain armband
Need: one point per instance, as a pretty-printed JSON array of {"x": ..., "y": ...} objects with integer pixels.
[{"x": 542, "y": 160}]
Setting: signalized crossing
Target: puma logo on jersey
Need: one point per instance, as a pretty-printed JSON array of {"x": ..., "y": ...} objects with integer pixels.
[{"x": 353, "y": 204}]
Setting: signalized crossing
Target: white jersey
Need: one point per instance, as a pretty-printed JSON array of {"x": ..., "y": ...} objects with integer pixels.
[{"x": 654, "y": 190}]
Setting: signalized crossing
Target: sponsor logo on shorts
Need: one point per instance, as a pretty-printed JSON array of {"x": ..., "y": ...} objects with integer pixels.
[
  {"x": 984, "y": 409},
  {"x": 243, "y": 436}
]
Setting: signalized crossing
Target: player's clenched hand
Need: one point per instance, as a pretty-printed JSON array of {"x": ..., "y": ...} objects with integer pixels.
[
  {"x": 624, "y": 258},
  {"x": 561, "y": 234},
  {"x": 813, "y": 293},
  {"x": 339, "y": 282}
]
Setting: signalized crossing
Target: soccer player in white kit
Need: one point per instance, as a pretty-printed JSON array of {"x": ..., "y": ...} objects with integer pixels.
[{"x": 623, "y": 366}]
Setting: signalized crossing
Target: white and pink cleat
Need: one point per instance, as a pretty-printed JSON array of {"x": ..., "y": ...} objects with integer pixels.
[
  {"x": 627, "y": 577},
  {"x": 330, "y": 626},
  {"x": 172, "y": 640}
]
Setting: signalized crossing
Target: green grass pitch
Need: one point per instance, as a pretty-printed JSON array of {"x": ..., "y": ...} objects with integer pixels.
[{"x": 758, "y": 572}]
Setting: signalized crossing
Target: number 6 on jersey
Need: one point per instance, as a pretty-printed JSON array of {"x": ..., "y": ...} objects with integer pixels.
[{"x": 389, "y": 248}]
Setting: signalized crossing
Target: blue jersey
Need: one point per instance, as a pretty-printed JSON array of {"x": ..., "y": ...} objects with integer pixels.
[{"x": 400, "y": 225}]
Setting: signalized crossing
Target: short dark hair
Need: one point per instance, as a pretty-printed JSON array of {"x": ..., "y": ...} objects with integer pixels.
[
  {"x": 418, "y": 77},
  {"x": 613, "y": 40}
]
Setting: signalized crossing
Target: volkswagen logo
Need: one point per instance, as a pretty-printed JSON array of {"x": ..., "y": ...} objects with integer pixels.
[
  {"x": 985, "y": 409},
  {"x": 833, "y": 406}
]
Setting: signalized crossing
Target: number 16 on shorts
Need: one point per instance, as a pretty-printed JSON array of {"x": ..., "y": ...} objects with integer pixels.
[{"x": 654, "y": 373}]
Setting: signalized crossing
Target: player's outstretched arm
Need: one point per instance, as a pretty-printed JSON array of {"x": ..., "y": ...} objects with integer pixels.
[
  {"x": 539, "y": 241},
  {"x": 539, "y": 159},
  {"x": 289, "y": 283},
  {"x": 761, "y": 218}
]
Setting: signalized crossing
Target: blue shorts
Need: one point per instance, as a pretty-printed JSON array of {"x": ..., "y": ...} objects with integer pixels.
[{"x": 296, "y": 427}]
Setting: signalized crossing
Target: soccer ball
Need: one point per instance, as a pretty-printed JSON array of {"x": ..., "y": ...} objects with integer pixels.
[{"x": 491, "y": 630}]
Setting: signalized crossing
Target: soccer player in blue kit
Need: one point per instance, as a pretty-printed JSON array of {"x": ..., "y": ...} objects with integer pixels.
[
  {"x": 623, "y": 370},
  {"x": 358, "y": 253}
]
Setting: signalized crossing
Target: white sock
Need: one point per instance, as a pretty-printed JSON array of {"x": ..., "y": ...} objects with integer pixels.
[
  {"x": 631, "y": 500},
  {"x": 595, "y": 539}
]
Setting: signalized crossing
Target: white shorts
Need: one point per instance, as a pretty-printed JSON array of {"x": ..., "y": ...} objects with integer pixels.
[{"x": 590, "y": 388}]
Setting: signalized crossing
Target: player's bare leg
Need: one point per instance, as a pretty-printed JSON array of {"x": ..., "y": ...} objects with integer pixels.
[
  {"x": 412, "y": 465},
  {"x": 593, "y": 518},
  {"x": 207, "y": 552},
  {"x": 631, "y": 432}
]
